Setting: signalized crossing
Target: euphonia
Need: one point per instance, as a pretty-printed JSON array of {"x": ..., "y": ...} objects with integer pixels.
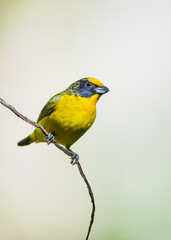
[{"x": 68, "y": 114}]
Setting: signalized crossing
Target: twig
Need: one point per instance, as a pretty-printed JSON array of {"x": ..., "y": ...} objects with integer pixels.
[
  {"x": 66, "y": 151},
  {"x": 91, "y": 196}
]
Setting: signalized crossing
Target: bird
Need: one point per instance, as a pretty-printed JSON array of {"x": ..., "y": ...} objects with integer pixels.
[{"x": 69, "y": 114}]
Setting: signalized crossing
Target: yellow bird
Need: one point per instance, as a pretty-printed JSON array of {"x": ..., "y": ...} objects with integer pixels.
[{"x": 68, "y": 114}]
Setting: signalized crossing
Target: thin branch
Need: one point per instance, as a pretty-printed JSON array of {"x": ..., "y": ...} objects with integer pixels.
[
  {"x": 66, "y": 151},
  {"x": 91, "y": 196}
]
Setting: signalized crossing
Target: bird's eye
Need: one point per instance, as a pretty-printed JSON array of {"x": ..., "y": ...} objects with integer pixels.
[{"x": 88, "y": 84}]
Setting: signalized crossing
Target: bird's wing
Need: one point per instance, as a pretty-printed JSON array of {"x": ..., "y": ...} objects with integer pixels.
[{"x": 49, "y": 106}]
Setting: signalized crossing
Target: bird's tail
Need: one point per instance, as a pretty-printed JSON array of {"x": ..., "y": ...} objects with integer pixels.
[{"x": 25, "y": 141}]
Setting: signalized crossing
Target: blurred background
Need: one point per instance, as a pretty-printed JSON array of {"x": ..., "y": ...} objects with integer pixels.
[{"x": 44, "y": 47}]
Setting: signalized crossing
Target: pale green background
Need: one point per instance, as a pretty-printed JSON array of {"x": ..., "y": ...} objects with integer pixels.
[{"x": 44, "y": 47}]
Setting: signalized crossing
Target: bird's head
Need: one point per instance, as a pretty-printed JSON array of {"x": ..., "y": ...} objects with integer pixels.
[{"x": 87, "y": 88}]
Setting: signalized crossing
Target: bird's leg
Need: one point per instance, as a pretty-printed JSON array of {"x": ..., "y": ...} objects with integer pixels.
[
  {"x": 49, "y": 138},
  {"x": 74, "y": 158}
]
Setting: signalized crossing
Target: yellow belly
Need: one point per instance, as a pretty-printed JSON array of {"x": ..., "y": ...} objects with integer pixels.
[{"x": 71, "y": 118}]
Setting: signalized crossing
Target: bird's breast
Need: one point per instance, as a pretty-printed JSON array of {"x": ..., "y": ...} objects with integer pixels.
[{"x": 74, "y": 112}]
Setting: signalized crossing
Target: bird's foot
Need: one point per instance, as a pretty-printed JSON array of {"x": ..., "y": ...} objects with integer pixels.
[
  {"x": 49, "y": 138},
  {"x": 74, "y": 158}
]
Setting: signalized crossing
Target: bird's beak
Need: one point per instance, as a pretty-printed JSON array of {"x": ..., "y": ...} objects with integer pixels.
[{"x": 101, "y": 90}]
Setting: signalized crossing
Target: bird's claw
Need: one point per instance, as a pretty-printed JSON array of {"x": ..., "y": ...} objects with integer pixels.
[
  {"x": 49, "y": 138},
  {"x": 74, "y": 158}
]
